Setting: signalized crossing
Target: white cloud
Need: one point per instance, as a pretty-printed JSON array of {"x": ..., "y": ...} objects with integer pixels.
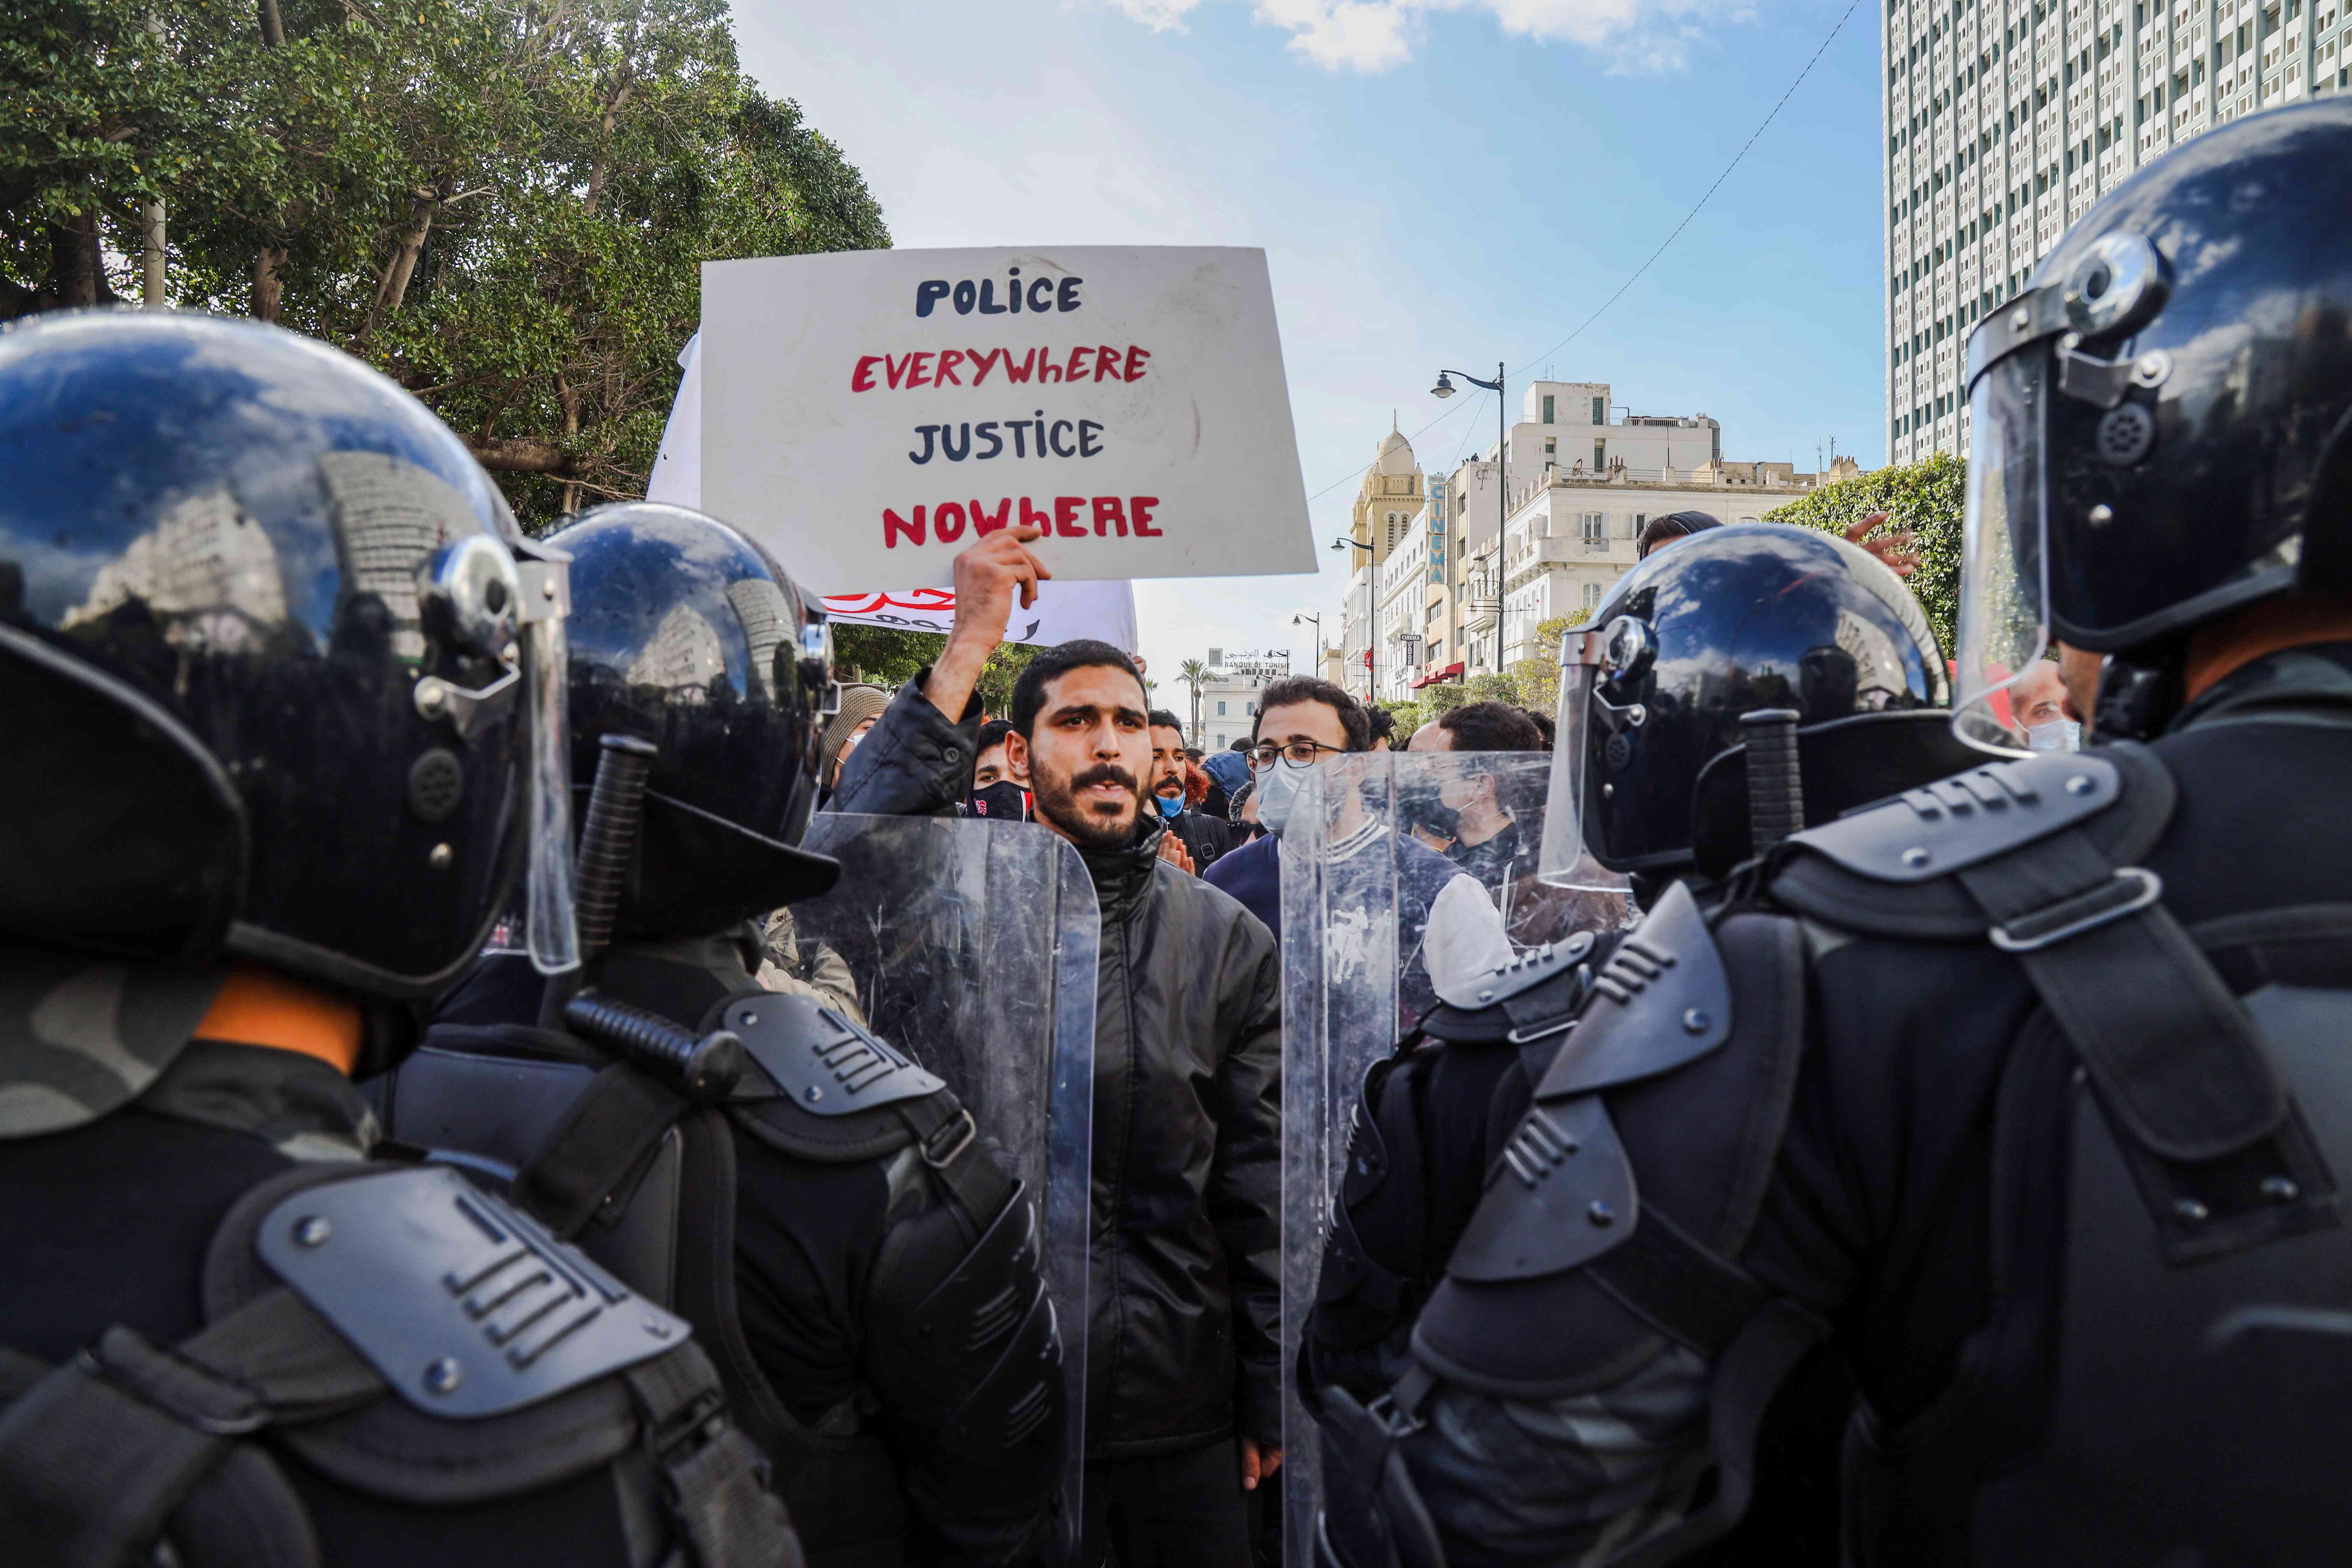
[
  {"x": 1160, "y": 15},
  {"x": 1368, "y": 36},
  {"x": 1638, "y": 37}
]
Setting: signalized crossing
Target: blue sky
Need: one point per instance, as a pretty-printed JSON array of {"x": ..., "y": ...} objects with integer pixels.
[{"x": 1435, "y": 181}]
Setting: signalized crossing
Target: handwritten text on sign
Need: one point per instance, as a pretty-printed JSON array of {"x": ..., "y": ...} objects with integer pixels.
[{"x": 867, "y": 414}]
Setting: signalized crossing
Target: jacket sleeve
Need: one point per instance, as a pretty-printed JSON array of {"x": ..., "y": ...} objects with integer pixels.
[
  {"x": 1244, "y": 1193},
  {"x": 913, "y": 762},
  {"x": 949, "y": 1398}
]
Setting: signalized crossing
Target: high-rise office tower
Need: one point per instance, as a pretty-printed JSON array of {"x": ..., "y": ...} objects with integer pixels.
[{"x": 2004, "y": 121}]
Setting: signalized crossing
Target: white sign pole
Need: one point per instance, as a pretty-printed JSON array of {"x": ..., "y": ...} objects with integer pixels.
[{"x": 868, "y": 414}]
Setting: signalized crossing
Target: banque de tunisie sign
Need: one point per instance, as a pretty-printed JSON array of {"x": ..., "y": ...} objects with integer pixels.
[{"x": 868, "y": 414}]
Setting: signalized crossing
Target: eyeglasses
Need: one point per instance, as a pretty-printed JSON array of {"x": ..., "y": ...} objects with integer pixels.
[{"x": 1297, "y": 753}]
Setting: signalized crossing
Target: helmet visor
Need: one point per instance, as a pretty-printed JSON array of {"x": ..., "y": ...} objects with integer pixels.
[
  {"x": 2004, "y": 617},
  {"x": 1564, "y": 860},
  {"x": 553, "y": 939}
]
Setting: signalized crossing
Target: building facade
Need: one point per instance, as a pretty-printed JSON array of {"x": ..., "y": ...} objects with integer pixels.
[
  {"x": 1572, "y": 536},
  {"x": 2005, "y": 121},
  {"x": 1229, "y": 697},
  {"x": 1394, "y": 492}
]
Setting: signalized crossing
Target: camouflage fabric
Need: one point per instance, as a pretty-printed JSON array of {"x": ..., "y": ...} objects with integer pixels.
[
  {"x": 82, "y": 1037},
  {"x": 1572, "y": 1479},
  {"x": 300, "y": 1106}
]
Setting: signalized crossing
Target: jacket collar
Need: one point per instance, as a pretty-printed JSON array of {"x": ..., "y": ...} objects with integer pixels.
[
  {"x": 1122, "y": 876},
  {"x": 2317, "y": 676}
]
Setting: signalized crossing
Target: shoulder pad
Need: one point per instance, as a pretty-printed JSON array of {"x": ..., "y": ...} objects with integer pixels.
[
  {"x": 1570, "y": 1197},
  {"x": 1958, "y": 822},
  {"x": 1661, "y": 1001},
  {"x": 466, "y": 1307},
  {"x": 824, "y": 1064},
  {"x": 1525, "y": 971}
]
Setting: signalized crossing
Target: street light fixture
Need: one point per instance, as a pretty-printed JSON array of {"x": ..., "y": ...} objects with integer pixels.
[{"x": 1444, "y": 388}]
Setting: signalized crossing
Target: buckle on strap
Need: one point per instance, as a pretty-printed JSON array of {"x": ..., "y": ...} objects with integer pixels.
[
  {"x": 195, "y": 1395},
  {"x": 960, "y": 1134},
  {"x": 2131, "y": 890}
]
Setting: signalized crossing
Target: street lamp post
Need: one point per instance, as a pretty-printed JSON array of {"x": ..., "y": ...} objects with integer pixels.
[
  {"x": 1302, "y": 615},
  {"x": 1372, "y": 619},
  {"x": 1444, "y": 388}
]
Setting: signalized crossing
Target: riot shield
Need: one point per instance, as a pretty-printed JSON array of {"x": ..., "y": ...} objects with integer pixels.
[
  {"x": 971, "y": 945},
  {"x": 1401, "y": 871}
]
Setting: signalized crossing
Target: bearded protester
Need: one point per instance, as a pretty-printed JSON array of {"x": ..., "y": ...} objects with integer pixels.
[
  {"x": 1195, "y": 839},
  {"x": 1184, "y": 1405}
]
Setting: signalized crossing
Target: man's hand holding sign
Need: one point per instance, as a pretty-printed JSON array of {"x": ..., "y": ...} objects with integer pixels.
[{"x": 870, "y": 414}]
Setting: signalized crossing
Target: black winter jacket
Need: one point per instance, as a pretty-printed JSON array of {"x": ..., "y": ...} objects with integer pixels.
[{"x": 1186, "y": 1288}]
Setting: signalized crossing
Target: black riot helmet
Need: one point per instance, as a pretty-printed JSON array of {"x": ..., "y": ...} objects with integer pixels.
[
  {"x": 687, "y": 635},
  {"x": 270, "y": 655},
  {"x": 1752, "y": 620},
  {"x": 2158, "y": 423}
]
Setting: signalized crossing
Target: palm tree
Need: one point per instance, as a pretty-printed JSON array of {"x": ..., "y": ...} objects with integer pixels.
[{"x": 1192, "y": 673}]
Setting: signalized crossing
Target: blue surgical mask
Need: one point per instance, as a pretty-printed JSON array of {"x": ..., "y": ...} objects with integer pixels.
[
  {"x": 2056, "y": 736},
  {"x": 1169, "y": 808},
  {"x": 1277, "y": 792}
]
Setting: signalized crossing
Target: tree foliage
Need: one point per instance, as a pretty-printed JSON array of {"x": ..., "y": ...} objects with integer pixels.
[
  {"x": 502, "y": 203},
  {"x": 1405, "y": 717},
  {"x": 1536, "y": 678},
  {"x": 895, "y": 658},
  {"x": 1926, "y": 498}
]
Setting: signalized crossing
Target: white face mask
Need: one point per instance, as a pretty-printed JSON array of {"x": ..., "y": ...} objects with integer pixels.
[
  {"x": 1277, "y": 792},
  {"x": 2057, "y": 735}
]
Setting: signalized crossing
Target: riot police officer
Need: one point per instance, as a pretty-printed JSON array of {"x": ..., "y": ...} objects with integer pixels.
[
  {"x": 2025, "y": 1088},
  {"x": 271, "y": 650},
  {"x": 1838, "y": 696},
  {"x": 826, "y": 1218}
]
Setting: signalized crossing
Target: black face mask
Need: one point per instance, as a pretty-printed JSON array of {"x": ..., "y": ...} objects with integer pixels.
[
  {"x": 1003, "y": 801},
  {"x": 1418, "y": 805}
]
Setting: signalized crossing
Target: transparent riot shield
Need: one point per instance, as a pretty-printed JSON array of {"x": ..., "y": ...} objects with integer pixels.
[
  {"x": 1401, "y": 872},
  {"x": 971, "y": 945}
]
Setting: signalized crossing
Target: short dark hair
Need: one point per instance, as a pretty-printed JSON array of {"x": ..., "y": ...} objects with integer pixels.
[
  {"x": 992, "y": 733},
  {"x": 1674, "y": 525},
  {"x": 1382, "y": 722},
  {"x": 1160, "y": 718},
  {"x": 1490, "y": 727},
  {"x": 1084, "y": 653},
  {"x": 1545, "y": 725},
  {"x": 1295, "y": 688},
  {"x": 1241, "y": 742}
]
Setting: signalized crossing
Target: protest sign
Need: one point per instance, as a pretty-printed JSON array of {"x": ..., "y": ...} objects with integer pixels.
[
  {"x": 868, "y": 414},
  {"x": 1063, "y": 612}
]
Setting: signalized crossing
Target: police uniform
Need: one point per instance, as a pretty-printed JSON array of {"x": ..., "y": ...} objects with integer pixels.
[
  {"x": 866, "y": 1274},
  {"x": 2023, "y": 1088},
  {"x": 270, "y": 634}
]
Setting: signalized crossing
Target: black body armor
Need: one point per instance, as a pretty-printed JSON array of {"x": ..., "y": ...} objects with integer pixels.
[{"x": 647, "y": 1179}]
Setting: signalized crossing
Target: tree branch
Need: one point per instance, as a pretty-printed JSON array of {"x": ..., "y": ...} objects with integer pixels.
[{"x": 520, "y": 455}]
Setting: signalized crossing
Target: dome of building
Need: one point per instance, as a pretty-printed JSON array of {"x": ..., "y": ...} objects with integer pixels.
[{"x": 1396, "y": 453}]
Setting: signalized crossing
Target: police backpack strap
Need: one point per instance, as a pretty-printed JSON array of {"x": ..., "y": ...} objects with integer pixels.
[
  {"x": 2218, "y": 1148},
  {"x": 364, "y": 1282},
  {"x": 834, "y": 1072}
]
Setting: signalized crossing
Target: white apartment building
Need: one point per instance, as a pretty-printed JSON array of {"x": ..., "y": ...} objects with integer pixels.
[
  {"x": 2004, "y": 122},
  {"x": 1572, "y": 536},
  {"x": 1229, "y": 698}
]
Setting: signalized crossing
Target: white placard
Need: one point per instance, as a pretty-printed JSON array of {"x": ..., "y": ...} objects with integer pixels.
[
  {"x": 868, "y": 414},
  {"x": 1102, "y": 610}
]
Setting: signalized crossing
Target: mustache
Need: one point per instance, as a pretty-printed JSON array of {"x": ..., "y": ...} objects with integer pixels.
[{"x": 1102, "y": 773}]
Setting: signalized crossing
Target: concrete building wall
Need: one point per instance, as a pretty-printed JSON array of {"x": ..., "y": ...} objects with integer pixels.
[{"x": 2005, "y": 121}]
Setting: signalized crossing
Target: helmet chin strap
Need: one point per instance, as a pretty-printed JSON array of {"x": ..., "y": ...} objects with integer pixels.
[{"x": 2139, "y": 692}]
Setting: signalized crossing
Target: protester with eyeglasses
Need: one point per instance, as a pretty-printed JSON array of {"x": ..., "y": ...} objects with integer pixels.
[{"x": 1447, "y": 924}]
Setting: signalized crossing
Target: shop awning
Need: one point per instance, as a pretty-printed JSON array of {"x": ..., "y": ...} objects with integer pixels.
[{"x": 1451, "y": 672}]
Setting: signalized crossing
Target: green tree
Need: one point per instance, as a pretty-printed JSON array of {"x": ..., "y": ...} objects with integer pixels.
[
  {"x": 1407, "y": 717},
  {"x": 894, "y": 658},
  {"x": 1194, "y": 673},
  {"x": 1537, "y": 677},
  {"x": 503, "y": 203},
  {"x": 1927, "y": 498},
  {"x": 1490, "y": 686},
  {"x": 1442, "y": 698}
]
